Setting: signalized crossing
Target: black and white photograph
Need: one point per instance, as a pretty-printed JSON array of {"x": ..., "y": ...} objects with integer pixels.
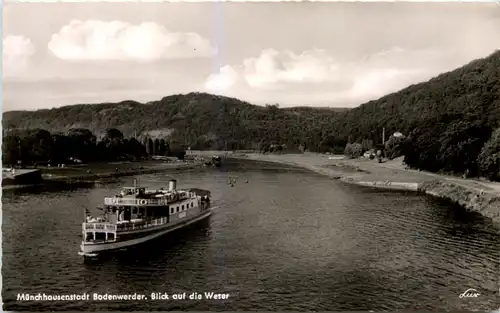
[{"x": 250, "y": 156}]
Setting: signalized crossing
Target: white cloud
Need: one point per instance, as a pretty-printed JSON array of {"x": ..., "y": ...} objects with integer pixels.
[
  {"x": 314, "y": 71},
  {"x": 16, "y": 53},
  {"x": 223, "y": 80},
  {"x": 377, "y": 83},
  {"x": 394, "y": 69},
  {"x": 115, "y": 40},
  {"x": 273, "y": 67}
]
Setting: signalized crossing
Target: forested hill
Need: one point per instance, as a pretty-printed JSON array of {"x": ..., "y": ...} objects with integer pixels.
[
  {"x": 198, "y": 119},
  {"x": 201, "y": 120}
]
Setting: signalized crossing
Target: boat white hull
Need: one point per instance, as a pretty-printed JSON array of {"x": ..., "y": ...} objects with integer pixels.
[{"x": 93, "y": 249}]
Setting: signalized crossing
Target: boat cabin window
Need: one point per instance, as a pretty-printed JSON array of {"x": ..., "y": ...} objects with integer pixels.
[
  {"x": 100, "y": 236},
  {"x": 171, "y": 210},
  {"x": 111, "y": 236},
  {"x": 89, "y": 236},
  {"x": 182, "y": 208}
]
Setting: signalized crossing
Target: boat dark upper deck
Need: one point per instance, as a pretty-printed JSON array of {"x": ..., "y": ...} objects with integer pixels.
[
  {"x": 199, "y": 192},
  {"x": 140, "y": 196},
  {"x": 143, "y": 193}
]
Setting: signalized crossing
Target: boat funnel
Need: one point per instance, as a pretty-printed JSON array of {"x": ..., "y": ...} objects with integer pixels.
[{"x": 172, "y": 185}]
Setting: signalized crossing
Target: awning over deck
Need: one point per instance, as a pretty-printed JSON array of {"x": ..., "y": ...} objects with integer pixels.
[{"x": 200, "y": 192}]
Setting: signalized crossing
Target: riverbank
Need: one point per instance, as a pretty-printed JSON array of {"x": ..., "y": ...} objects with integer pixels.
[
  {"x": 99, "y": 171},
  {"x": 474, "y": 195}
]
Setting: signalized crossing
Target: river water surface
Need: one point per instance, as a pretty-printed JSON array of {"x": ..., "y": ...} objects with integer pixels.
[{"x": 285, "y": 240}]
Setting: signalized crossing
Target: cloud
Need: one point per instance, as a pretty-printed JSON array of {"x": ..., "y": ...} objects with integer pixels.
[
  {"x": 272, "y": 67},
  {"x": 315, "y": 71},
  {"x": 377, "y": 83},
  {"x": 16, "y": 53},
  {"x": 393, "y": 69},
  {"x": 115, "y": 40},
  {"x": 223, "y": 80}
]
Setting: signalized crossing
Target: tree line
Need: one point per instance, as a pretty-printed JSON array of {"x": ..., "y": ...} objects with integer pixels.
[
  {"x": 80, "y": 145},
  {"x": 462, "y": 143}
]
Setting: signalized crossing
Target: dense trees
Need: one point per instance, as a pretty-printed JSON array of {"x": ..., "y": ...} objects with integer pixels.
[
  {"x": 394, "y": 146},
  {"x": 81, "y": 144},
  {"x": 38, "y": 146},
  {"x": 489, "y": 157},
  {"x": 11, "y": 150},
  {"x": 353, "y": 150},
  {"x": 451, "y": 144},
  {"x": 447, "y": 122}
]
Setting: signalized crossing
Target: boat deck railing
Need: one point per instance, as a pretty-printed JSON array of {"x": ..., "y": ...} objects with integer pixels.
[
  {"x": 142, "y": 224},
  {"x": 125, "y": 226},
  {"x": 99, "y": 226}
]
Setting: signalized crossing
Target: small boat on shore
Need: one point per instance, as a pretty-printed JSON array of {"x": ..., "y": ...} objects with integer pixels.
[{"x": 138, "y": 215}]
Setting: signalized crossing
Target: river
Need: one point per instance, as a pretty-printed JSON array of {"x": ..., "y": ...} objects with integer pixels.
[{"x": 285, "y": 240}]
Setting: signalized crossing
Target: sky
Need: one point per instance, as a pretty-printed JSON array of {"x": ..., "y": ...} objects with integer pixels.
[{"x": 293, "y": 54}]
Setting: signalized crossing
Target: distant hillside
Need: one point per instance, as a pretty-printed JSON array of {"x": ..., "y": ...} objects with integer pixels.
[
  {"x": 454, "y": 112},
  {"x": 188, "y": 119}
]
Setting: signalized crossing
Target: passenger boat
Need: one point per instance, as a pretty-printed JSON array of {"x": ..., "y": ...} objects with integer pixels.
[{"x": 137, "y": 215}]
